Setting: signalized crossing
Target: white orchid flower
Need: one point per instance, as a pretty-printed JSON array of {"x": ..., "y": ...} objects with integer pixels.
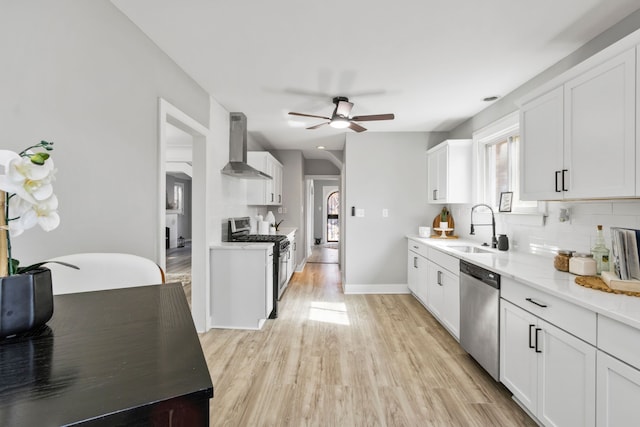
[
  {"x": 44, "y": 214},
  {"x": 27, "y": 180}
]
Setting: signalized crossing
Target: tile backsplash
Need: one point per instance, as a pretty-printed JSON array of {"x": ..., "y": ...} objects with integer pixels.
[{"x": 545, "y": 235}]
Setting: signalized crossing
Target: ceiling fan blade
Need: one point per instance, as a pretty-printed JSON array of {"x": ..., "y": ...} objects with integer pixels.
[
  {"x": 373, "y": 117},
  {"x": 317, "y": 126},
  {"x": 308, "y": 115},
  {"x": 356, "y": 127},
  {"x": 344, "y": 108}
]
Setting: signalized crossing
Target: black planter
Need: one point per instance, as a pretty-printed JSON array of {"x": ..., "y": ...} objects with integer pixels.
[{"x": 26, "y": 301}]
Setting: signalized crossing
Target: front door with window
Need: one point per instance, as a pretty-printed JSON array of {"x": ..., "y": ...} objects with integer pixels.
[{"x": 333, "y": 221}]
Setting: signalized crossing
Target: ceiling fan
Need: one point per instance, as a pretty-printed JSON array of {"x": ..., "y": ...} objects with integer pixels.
[{"x": 340, "y": 118}]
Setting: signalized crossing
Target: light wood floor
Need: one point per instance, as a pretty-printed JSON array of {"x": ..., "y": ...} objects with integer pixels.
[
  {"x": 349, "y": 360},
  {"x": 326, "y": 253}
]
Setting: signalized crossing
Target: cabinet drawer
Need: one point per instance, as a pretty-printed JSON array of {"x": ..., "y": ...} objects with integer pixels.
[
  {"x": 417, "y": 247},
  {"x": 572, "y": 318},
  {"x": 445, "y": 261},
  {"x": 619, "y": 340}
]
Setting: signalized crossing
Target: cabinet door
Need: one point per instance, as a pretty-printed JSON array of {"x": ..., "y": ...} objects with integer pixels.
[
  {"x": 417, "y": 276},
  {"x": 443, "y": 178},
  {"x": 432, "y": 177},
  {"x": 269, "y": 283},
  {"x": 518, "y": 359},
  {"x": 277, "y": 184},
  {"x": 618, "y": 392},
  {"x": 435, "y": 289},
  {"x": 270, "y": 191},
  {"x": 600, "y": 130},
  {"x": 566, "y": 379},
  {"x": 412, "y": 272},
  {"x": 541, "y": 147},
  {"x": 451, "y": 302}
]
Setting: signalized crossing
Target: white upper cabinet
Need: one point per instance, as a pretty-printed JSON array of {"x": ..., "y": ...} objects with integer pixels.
[
  {"x": 599, "y": 147},
  {"x": 449, "y": 172},
  {"x": 541, "y": 151},
  {"x": 579, "y": 140},
  {"x": 265, "y": 192}
]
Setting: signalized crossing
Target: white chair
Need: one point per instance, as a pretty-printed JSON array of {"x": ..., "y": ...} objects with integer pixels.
[{"x": 99, "y": 271}]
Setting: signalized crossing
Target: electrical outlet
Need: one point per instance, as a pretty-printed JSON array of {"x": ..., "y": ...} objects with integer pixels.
[
  {"x": 385, "y": 213},
  {"x": 279, "y": 210},
  {"x": 360, "y": 213}
]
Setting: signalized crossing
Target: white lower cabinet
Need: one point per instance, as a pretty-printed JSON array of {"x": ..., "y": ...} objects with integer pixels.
[
  {"x": 618, "y": 392},
  {"x": 551, "y": 372},
  {"x": 417, "y": 273},
  {"x": 443, "y": 289},
  {"x": 433, "y": 277}
]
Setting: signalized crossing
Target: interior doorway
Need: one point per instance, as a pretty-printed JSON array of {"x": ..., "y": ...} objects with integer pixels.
[
  {"x": 169, "y": 115},
  {"x": 178, "y": 226},
  {"x": 326, "y": 220}
]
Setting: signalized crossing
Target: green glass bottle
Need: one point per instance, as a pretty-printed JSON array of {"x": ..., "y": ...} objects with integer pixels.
[{"x": 600, "y": 252}]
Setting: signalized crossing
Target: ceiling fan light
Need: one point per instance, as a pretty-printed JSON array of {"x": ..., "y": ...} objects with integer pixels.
[{"x": 339, "y": 123}]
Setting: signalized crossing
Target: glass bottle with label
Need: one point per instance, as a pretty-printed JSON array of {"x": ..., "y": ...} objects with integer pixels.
[{"x": 600, "y": 252}]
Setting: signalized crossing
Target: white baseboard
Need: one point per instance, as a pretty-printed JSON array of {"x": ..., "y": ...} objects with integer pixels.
[{"x": 397, "y": 288}]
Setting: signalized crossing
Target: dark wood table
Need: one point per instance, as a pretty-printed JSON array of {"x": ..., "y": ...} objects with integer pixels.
[{"x": 108, "y": 358}]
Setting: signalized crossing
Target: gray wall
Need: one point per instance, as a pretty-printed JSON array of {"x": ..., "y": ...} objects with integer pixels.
[
  {"x": 507, "y": 104},
  {"x": 384, "y": 170},
  {"x": 318, "y": 204},
  {"x": 320, "y": 167},
  {"x": 81, "y": 74}
]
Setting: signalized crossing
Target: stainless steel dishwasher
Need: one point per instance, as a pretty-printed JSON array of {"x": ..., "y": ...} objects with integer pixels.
[{"x": 480, "y": 316}]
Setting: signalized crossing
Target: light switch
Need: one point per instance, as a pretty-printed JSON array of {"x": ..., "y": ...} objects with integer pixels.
[
  {"x": 360, "y": 213},
  {"x": 279, "y": 210},
  {"x": 385, "y": 213}
]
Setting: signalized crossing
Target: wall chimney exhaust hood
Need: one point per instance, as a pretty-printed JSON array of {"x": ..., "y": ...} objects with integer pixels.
[{"x": 237, "y": 165}]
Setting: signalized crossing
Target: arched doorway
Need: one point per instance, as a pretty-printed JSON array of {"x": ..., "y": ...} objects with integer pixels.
[{"x": 333, "y": 219}]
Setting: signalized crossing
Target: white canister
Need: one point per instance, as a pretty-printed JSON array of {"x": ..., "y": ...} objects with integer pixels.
[
  {"x": 582, "y": 264},
  {"x": 263, "y": 227},
  {"x": 424, "y": 231}
]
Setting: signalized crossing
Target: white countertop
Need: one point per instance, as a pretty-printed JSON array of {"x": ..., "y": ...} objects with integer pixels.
[
  {"x": 241, "y": 246},
  {"x": 538, "y": 271},
  {"x": 285, "y": 231}
]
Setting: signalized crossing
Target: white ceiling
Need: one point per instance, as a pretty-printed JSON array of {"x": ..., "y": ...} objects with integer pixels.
[{"x": 428, "y": 61}]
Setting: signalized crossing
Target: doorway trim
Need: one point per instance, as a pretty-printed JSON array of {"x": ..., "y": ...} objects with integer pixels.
[{"x": 168, "y": 113}]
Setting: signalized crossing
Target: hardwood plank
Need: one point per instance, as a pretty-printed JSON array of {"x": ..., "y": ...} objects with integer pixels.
[{"x": 349, "y": 360}]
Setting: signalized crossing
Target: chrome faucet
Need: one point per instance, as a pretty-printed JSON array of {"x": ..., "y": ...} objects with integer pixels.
[{"x": 494, "y": 240}]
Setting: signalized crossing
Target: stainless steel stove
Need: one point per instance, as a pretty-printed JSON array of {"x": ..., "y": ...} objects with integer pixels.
[{"x": 239, "y": 231}]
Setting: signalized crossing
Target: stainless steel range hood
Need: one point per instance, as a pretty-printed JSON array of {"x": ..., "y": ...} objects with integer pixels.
[{"x": 237, "y": 165}]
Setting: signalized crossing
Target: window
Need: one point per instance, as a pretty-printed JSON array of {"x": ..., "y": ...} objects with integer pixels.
[
  {"x": 176, "y": 203},
  {"x": 497, "y": 148}
]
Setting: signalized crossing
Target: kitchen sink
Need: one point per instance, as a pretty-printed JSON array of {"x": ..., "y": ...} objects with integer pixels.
[{"x": 470, "y": 249}]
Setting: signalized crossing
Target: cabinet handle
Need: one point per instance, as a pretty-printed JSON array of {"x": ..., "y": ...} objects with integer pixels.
[
  {"x": 557, "y": 176},
  {"x": 539, "y": 304},
  {"x": 537, "y": 349},
  {"x": 294, "y": 246},
  {"x": 415, "y": 247},
  {"x": 439, "y": 277},
  {"x": 415, "y": 262},
  {"x": 279, "y": 198},
  {"x": 272, "y": 197},
  {"x": 564, "y": 171},
  {"x": 530, "y": 335},
  {"x": 435, "y": 192}
]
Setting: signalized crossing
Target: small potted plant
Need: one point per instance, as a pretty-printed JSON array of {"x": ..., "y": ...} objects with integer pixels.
[
  {"x": 26, "y": 200},
  {"x": 444, "y": 218}
]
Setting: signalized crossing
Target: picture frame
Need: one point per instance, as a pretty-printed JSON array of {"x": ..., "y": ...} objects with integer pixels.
[{"x": 506, "y": 198}]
